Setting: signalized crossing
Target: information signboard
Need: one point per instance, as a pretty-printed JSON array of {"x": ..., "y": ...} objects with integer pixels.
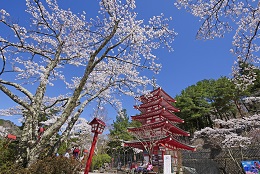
[{"x": 167, "y": 167}]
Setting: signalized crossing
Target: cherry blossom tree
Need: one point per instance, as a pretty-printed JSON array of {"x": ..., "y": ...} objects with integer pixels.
[
  {"x": 230, "y": 133},
  {"x": 253, "y": 104},
  {"x": 150, "y": 138},
  {"x": 60, "y": 62},
  {"x": 240, "y": 18},
  {"x": 3, "y": 132},
  {"x": 240, "y": 132}
]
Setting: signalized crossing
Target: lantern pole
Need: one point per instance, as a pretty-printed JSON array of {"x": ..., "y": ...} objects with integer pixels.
[
  {"x": 91, "y": 153},
  {"x": 97, "y": 127}
]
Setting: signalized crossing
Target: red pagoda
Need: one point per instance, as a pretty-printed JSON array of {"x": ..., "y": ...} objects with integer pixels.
[{"x": 159, "y": 131}]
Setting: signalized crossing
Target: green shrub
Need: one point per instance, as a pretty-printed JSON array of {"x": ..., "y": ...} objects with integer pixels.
[
  {"x": 12, "y": 168},
  {"x": 55, "y": 165},
  {"x": 7, "y": 154},
  {"x": 49, "y": 165},
  {"x": 99, "y": 160}
]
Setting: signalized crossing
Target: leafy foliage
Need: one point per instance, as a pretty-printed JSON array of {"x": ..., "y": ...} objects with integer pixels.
[
  {"x": 119, "y": 133},
  {"x": 99, "y": 160},
  {"x": 208, "y": 100},
  {"x": 14, "y": 168},
  {"x": 8, "y": 151},
  {"x": 119, "y": 130},
  {"x": 53, "y": 165},
  {"x": 255, "y": 88},
  {"x": 49, "y": 165},
  {"x": 63, "y": 148}
]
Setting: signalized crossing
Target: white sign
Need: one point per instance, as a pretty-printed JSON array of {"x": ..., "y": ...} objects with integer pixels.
[{"x": 167, "y": 166}]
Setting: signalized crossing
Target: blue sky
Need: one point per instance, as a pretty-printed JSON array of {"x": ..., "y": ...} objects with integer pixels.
[{"x": 192, "y": 60}]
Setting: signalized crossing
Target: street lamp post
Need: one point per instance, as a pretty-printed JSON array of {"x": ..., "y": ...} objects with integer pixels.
[{"x": 97, "y": 127}]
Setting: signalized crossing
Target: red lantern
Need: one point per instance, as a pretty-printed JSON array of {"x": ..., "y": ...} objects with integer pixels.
[{"x": 97, "y": 126}]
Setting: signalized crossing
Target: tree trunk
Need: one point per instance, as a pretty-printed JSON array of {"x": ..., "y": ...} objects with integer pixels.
[
  {"x": 31, "y": 148},
  {"x": 239, "y": 108},
  {"x": 179, "y": 161}
]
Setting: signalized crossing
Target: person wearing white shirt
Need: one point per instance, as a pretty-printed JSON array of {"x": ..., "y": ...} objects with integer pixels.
[{"x": 67, "y": 154}]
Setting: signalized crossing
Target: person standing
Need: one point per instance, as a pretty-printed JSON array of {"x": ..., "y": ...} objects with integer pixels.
[
  {"x": 142, "y": 167},
  {"x": 40, "y": 132},
  {"x": 67, "y": 154},
  {"x": 76, "y": 152},
  {"x": 149, "y": 168}
]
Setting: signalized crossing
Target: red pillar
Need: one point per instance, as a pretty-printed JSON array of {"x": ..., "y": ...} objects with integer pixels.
[
  {"x": 91, "y": 153},
  {"x": 163, "y": 152}
]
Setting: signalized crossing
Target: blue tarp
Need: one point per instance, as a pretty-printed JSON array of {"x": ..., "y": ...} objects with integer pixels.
[{"x": 251, "y": 167}]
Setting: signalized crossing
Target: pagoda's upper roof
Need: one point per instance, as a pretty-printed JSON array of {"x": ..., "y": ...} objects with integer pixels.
[
  {"x": 155, "y": 94},
  {"x": 160, "y": 102},
  {"x": 159, "y": 112},
  {"x": 168, "y": 142},
  {"x": 164, "y": 124}
]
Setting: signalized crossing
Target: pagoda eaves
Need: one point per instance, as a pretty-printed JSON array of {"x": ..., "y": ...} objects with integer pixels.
[
  {"x": 162, "y": 112},
  {"x": 169, "y": 142},
  {"x": 154, "y": 105},
  {"x": 155, "y": 94},
  {"x": 164, "y": 124}
]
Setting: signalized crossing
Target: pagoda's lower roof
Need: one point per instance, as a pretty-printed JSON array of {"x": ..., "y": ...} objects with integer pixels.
[
  {"x": 164, "y": 125},
  {"x": 168, "y": 142}
]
